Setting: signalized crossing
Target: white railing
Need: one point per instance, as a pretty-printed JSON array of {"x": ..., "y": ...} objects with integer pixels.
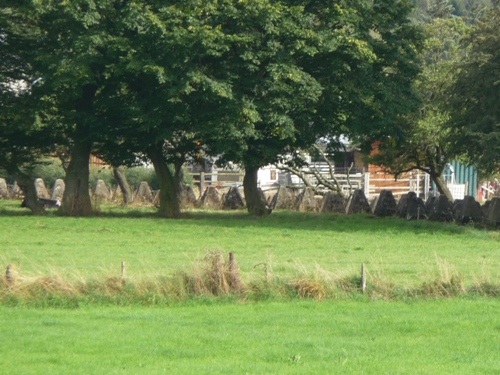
[{"x": 370, "y": 183}]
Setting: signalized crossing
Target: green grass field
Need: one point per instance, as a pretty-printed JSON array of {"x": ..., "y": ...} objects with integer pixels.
[
  {"x": 288, "y": 243},
  {"x": 302, "y": 337},
  {"x": 278, "y": 333}
]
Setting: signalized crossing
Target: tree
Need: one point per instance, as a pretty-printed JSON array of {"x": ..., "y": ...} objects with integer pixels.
[
  {"x": 124, "y": 80},
  {"x": 24, "y": 140},
  {"x": 423, "y": 141},
  {"x": 64, "y": 52},
  {"x": 272, "y": 96},
  {"x": 169, "y": 90},
  {"x": 470, "y": 10},
  {"x": 253, "y": 80},
  {"x": 91, "y": 77},
  {"x": 475, "y": 97},
  {"x": 309, "y": 70},
  {"x": 122, "y": 182}
]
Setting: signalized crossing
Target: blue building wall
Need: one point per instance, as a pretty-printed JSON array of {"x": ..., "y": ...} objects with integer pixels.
[{"x": 463, "y": 174}]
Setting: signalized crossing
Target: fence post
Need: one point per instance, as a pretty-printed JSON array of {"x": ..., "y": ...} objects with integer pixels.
[
  {"x": 231, "y": 262},
  {"x": 123, "y": 271},
  {"x": 202, "y": 183},
  {"x": 363, "y": 278},
  {"x": 427, "y": 186},
  {"x": 9, "y": 277},
  {"x": 418, "y": 184},
  {"x": 234, "y": 279},
  {"x": 366, "y": 185}
]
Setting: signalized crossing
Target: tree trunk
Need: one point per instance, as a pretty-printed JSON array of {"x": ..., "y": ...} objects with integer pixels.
[
  {"x": 256, "y": 205},
  {"x": 76, "y": 199},
  {"x": 124, "y": 186},
  {"x": 442, "y": 187},
  {"x": 27, "y": 185},
  {"x": 170, "y": 183}
]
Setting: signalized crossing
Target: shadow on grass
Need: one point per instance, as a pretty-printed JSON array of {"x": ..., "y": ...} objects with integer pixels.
[
  {"x": 289, "y": 220},
  {"x": 294, "y": 220}
]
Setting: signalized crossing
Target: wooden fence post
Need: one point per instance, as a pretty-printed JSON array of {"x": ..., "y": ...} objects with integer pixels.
[
  {"x": 123, "y": 271},
  {"x": 202, "y": 183},
  {"x": 363, "y": 278},
  {"x": 234, "y": 277},
  {"x": 231, "y": 262},
  {"x": 8, "y": 275},
  {"x": 366, "y": 184}
]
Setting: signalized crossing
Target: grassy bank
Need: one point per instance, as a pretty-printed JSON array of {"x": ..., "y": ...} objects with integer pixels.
[{"x": 453, "y": 336}]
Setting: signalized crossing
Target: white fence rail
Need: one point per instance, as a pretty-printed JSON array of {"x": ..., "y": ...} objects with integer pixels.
[{"x": 371, "y": 184}]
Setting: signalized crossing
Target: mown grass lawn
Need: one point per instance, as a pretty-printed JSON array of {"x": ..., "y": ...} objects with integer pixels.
[{"x": 453, "y": 336}]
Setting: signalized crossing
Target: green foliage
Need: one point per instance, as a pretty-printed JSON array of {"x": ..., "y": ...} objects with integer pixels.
[
  {"x": 470, "y": 10},
  {"x": 317, "y": 71},
  {"x": 441, "y": 9},
  {"x": 101, "y": 173},
  {"x": 424, "y": 141},
  {"x": 49, "y": 170},
  {"x": 475, "y": 96},
  {"x": 135, "y": 175}
]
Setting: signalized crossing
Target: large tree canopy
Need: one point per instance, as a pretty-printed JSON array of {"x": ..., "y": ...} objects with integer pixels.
[
  {"x": 475, "y": 97},
  {"x": 67, "y": 53},
  {"x": 109, "y": 80},
  {"x": 309, "y": 70},
  {"x": 424, "y": 142},
  {"x": 24, "y": 140},
  {"x": 252, "y": 79}
]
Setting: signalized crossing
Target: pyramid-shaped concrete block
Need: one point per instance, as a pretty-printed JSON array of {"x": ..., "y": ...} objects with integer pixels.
[
  {"x": 144, "y": 194},
  {"x": 233, "y": 200},
  {"x": 283, "y": 199},
  {"x": 41, "y": 190},
  {"x": 4, "y": 190},
  {"x": 306, "y": 201},
  {"x": 211, "y": 198},
  {"x": 358, "y": 203},
  {"x": 333, "y": 202},
  {"x": 58, "y": 189},
  {"x": 385, "y": 204},
  {"x": 188, "y": 197},
  {"x": 440, "y": 210},
  {"x": 493, "y": 217}
]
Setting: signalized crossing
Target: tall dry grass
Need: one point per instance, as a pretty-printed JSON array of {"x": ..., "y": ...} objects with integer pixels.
[
  {"x": 213, "y": 275},
  {"x": 217, "y": 276}
]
